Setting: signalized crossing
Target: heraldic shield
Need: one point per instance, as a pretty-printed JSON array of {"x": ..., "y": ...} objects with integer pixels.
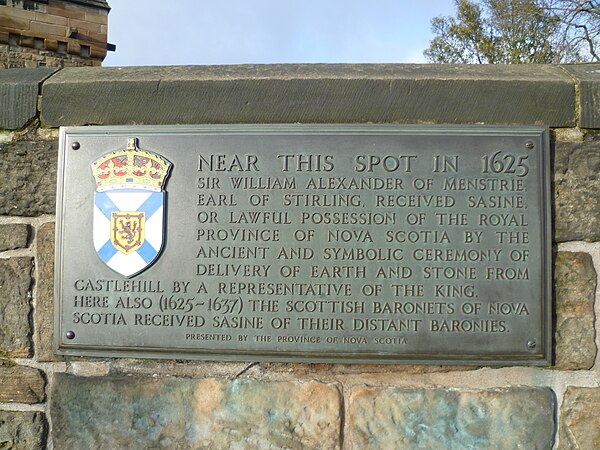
[{"x": 129, "y": 208}]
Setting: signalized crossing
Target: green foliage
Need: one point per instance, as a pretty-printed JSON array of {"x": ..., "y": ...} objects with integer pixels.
[
  {"x": 517, "y": 32},
  {"x": 6, "y": 361}
]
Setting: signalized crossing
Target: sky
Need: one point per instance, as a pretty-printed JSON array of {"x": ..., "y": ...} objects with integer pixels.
[{"x": 190, "y": 32}]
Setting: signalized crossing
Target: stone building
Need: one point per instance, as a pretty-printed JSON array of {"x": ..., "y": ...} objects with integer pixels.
[
  {"x": 64, "y": 402},
  {"x": 53, "y": 33}
]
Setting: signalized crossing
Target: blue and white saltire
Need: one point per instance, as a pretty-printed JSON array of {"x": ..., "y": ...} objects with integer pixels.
[{"x": 149, "y": 202}]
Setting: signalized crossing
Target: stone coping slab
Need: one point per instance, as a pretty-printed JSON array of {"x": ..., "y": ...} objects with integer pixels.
[
  {"x": 588, "y": 76},
  {"x": 19, "y": 90},
  {"x": 311, "y": 93}
]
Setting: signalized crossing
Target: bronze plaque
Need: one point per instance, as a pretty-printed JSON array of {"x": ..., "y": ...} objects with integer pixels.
[{"x": 343, "y": 243}]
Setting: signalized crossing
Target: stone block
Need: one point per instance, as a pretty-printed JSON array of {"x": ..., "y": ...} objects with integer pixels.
[
  {"x": 576, "y": 187},
  {"x": 19, "y": 90},
  {"x": 17, "y": 23},
  {"x": 14, "y": 235},
  {"x": 86, "y": 25},
  {"x": 61, "y": 9},
  {"x": 29, "y": 184},
  {"x": 580, "y": 419},
  {"x": 588, "y": 78},
  {"x": 96, "y": 18},
  {"x": 18, "y": 12},
  {"x": 51, "y": 45},
  {"x": 49, "y": 18},
  {"x": 20, "y": 384},
  {"x": 190, "y": 414},
  {"x": 404, "y": 418},
  {"x": 311, "y": 93},
  {"x": 23, "y": 430},
  {"x": 44, "y": 306},
  {"x": 15, "y": 292},
  {"x": 575, "y": 286},
  {"x": 48, "y": 29}
]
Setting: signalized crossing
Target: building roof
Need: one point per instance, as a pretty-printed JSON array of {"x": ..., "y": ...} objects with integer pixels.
[
  {"x": 96, "y": 3},
  {"x": 93, "y": 3}
]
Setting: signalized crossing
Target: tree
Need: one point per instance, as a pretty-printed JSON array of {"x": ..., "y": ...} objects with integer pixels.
[
  {"x": 578, "y": 38},
  {"x": 517, "y": 32}
]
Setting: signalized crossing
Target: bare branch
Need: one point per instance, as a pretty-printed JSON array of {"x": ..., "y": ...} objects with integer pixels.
[{"x": 524, "y": 31}]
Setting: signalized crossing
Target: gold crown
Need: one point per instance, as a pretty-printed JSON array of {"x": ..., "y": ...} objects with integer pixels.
[{"x": 130, "y": 168}]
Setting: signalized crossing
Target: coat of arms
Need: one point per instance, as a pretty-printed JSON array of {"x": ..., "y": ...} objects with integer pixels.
[{"x": 129, "y": 208}]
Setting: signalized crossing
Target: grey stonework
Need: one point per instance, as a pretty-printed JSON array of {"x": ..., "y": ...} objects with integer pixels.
[
  {"x": 311, "y": 93},
  {"x": 580, "y": 419},
  {"x": 190, "y": 414},
  {"x": 23, "y": 430},
  {"x": 576, "y": 191},
  {"x": 415, "y": 419},
  {"x": 19, "y": 89},
  {"x": 15, "y": 292},
  {"x": 588, "y": 79},
  {"x": 319, "y": 93},
  {"x": 28, "y": 187},
  {"x": 14, "y": 236},
  {"x": 287, "y": 408},
  {"x": 575, "y": 287}
]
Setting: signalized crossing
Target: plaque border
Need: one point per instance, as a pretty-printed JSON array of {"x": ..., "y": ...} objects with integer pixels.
[{"x": 541, "y": 357}]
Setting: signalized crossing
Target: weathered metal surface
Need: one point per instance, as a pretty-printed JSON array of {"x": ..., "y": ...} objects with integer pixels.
[{"x": 305, "y": 243}]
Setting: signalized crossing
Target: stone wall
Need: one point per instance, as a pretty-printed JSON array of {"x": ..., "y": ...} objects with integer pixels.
[
  {"x": 57, "y": 402},
  {"x": 13, "y": 57}
]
